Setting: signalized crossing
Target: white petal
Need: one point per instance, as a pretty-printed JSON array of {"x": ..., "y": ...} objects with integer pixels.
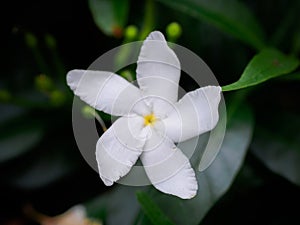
[
  {"x": 119, "y": 148},
  {"x": 106, "y": 92},
  {"x": 168, "y": 168},
  {"x": 196, "y": 113},
  {"x": 158, "y": 69}
]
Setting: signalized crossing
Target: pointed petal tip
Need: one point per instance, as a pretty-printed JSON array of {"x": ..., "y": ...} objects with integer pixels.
[
  {"x": 116, "y": 154},
  {"x": 106, "y": 181},
  {"x": 179, "y": 185},
  {"x": 74, "y": 77},
  {"x": 215, "y": 91},
  {"x": 212, "y": 87},
  {"x": 190, "y": 195},
  {"x": 156, "y": 35}
]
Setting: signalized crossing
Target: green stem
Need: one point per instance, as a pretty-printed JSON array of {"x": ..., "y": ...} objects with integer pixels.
[
  {"x": 59, "y": 67},
  {"x": 148, "y": 24},
  {"x": 32, "y": 44},
  {"x": 100, "y": 120}
]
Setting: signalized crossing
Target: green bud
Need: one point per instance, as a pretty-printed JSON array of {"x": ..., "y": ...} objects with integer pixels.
[
  {"x": 43, "y": 83},
  {"x": 173, "y": 31},
  {"x": 50, "y": 41},
  {"x": 30, "y": 40},
  {"x": 5, "y": 96},
  {"x": 57, "y": 98},
  {"x": 88, "y": 112},
  {"x": 127, "y": 75},
  {"x": 131, "y": 32}
]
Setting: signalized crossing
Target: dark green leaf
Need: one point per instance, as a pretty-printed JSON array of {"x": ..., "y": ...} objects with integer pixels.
[
  {"x": 230, "y": 16},
  {"x": 18, "y": 140},
  {"x": 215, "y": 180},
  {"x": 110, "y": 15},
  {"x": 267, "y": 64},
  {"x": 42, "y": 170},
  {"x": 142, "y": 219},
  {"x": 151, "y": 209},
  {"x": 118, "y": 206},
  {"x": 278, "y": 146}
]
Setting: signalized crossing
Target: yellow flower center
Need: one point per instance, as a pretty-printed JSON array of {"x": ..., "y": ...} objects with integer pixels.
[{"x": 149, "y": 119}]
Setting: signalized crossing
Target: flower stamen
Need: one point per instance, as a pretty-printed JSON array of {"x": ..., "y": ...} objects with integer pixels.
[{"x": 149, "y": 119}]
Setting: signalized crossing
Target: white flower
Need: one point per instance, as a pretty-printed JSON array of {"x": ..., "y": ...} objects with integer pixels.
[{"x": 152, "y": 118}]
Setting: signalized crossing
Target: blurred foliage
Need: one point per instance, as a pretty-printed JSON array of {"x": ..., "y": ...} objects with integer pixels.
[
  {"x": 110, "y": 15},
  {"x": 276, "y": 143},
  {"x": 230, "y": 16},
  {"x": 152, "y": 210},
  {"x": 244, "y": 41}
]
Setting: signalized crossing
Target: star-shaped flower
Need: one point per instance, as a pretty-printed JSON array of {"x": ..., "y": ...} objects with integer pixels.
[{"x": 152, "y": 118}]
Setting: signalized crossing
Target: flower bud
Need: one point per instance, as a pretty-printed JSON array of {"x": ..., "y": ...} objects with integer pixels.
[
  {"x": 57, "y": 98},
  {"x": 127, "y": 75},
  {"x": 43, "y": 83},
  {"x": 88, "y": 112},
  {"x": 131, "y": 32},
  {"x": 30, "y": 40},
  {"x": 173, "y": 31},
  {"x": 50, "y": 41}
]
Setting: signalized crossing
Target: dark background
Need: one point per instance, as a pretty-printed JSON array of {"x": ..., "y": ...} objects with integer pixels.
[{"x": 257, "y": 196}]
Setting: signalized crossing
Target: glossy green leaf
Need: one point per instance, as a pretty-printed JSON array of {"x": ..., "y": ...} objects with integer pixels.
[
  {"x": 18, "y": 140},
  {"x": 152, "y": 210},
  {"x": 230, "y": 16},
  {"x": 267, "y": 64},
  {"x": 277, "y": 145},
  {"x": 110, "y": 15},
  {"x": 216, "y": 179}
]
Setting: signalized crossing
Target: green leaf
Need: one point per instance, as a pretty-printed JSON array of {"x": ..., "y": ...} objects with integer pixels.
[
  {"x": 143, "y": 219},
  {"x": 110, "y": 15},
  {"x": 17, "y": 141},
  {"x": 267, "y": 64},
  {"x": 115, "y": 207},
  {"x": 215, "y": 180},
  {"x": 231, "y": 17},
  {"x": 277, "y": 145},
  {"x": 42, "y": 169},
  {"x": 152, "y": 211}
]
